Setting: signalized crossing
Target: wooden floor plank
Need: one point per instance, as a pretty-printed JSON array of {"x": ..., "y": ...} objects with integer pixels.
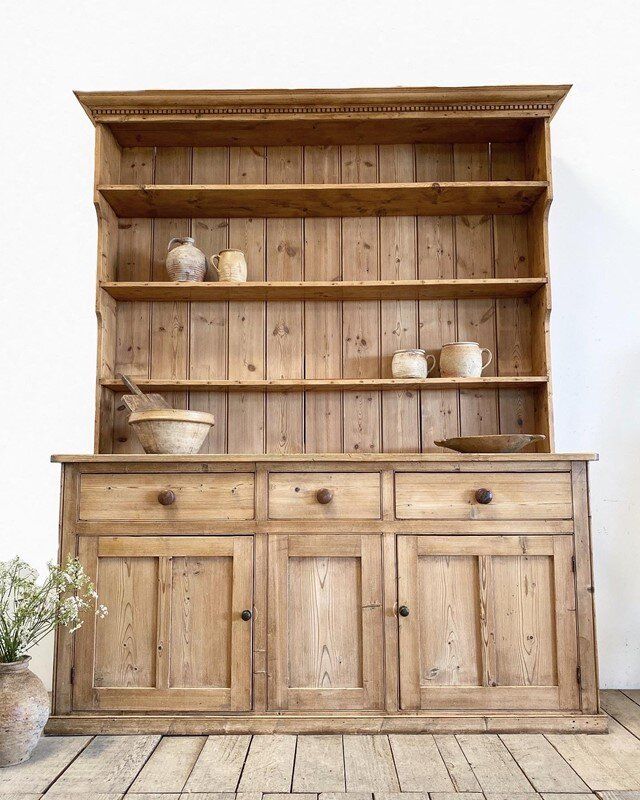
[
  {"x": 369, "y": 764},
  {"x": 622, "y": 708},
  {"x": 319, "y": 765},
  {"x": 74, "y": 795},
  {"x": 457, "y": 796},
  {"x": 609, "y": 761},
  {"x": 492, "y": 764},
  {"x": 219, "y": 764},
  {"x": 169, "y": 766},
  {"x": 514, "y": 796},
  {"x": 542, "y": 764},
  {"x": 633, "y": 694},
  {"x": 419, "y": 764},
  {"x": 153, "y": 796},
  {"x": 108, "y": 765},
  {"x": 49, "y": 759},
  {"x": 269, "y": 764},
  {"x": 221, "y": 796},
  {"x": 562, "y": 796},
  {"x": 456, "y": 763},
  {"x": 401, "y": 796},
  {"x": 18, "y": 795},
  {"x": 286, "y": 796}
]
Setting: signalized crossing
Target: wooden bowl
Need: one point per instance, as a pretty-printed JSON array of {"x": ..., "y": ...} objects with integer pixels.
[
  {"x": 171, "y": 430},
  {"x": 499, "y": 443}
]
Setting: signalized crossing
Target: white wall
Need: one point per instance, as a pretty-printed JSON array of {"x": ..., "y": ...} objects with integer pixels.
[{"x": 48, "y": 242}]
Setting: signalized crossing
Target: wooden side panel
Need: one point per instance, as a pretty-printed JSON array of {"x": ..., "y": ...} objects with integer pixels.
[
  {"x": 584, "y": 590},
  {"x": 440, "y": 411},
  {"x": 107, "y": 167},
  {"x": 398, "y": 318},
  {"x": 170, "y": 321},
  {"x": 284, "y": 258},
  {"x": 476, "y": 318},
  {"x": 209, "y": 322},
  {"x": 246, "y": 432},
  {"x": 361, "y": 320},
  {"x": 323, "y": 320}
]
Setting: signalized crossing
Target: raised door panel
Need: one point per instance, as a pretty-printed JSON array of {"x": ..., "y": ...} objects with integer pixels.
[
  {"x": 174, "y": 637},
  {"x": 490, "y": 623},
  {"x": 325, "y": 622}
]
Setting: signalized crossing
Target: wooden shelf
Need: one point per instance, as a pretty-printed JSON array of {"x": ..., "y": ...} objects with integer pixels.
[
  {"x": 341, "y": 384},
  {"x": 326, "y": 290},
  {"x": 323, "y": 200}
]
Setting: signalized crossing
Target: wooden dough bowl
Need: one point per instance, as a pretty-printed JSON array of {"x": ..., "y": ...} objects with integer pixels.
[{"x": 499, "y": 443}]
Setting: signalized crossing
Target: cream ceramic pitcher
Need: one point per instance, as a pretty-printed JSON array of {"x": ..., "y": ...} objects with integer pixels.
[
  {"x": 463, "y": 360},
  {"x": 231, "y": 266},
  {"x": 412, "y": 364}
]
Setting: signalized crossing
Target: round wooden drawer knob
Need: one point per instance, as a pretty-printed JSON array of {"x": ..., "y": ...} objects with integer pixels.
[
  {"x": 246, "y": 615},
  {"x": 484, "y": 496},
  {"x": 403, "y": 611},
  {"x": 324, "y": 496},
  {"x": 167, "y": 498}
]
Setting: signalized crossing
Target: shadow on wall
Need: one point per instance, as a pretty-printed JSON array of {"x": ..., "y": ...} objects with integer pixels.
[{"x": 596, "y": 377}]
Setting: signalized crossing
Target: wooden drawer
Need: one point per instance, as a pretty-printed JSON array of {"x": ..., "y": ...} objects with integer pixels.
[
  {"x": 134, "y": 498},
  {"x": 354, "y": 495},
  {"x": 529, "y": 495}
]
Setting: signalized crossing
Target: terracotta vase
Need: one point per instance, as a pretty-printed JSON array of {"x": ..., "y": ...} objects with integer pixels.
[
  {"x": 463, "y": 360},
  {"x": 24, "y": 710},
  {"x": 184, "y": 261}
]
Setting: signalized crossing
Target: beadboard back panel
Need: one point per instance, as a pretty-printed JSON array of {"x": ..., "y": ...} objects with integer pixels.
[{"x": 309, "y": 339}]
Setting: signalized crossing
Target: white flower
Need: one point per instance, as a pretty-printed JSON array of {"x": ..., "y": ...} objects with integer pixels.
[{"x": 29, "y": 610}]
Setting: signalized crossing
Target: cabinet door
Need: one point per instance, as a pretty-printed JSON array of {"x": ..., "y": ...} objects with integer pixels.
[
  {"x": 174, "y": 637},
  {"x": 325, "y": 622},
  {"x": 491, "y": 622}
]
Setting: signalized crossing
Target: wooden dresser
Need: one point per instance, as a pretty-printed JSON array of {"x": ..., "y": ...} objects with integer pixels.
[{"x": 322, "y": 566}]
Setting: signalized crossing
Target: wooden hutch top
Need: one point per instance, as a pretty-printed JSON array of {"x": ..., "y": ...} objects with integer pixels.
[{"x": 372, "y": 220}]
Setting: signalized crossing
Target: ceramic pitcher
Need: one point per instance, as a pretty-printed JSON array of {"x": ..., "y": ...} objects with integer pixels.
[
  {"x": 412, "y": 364},
  {"x": 463, "y": 360},
  {"x": 231, "y": 266},
  {"x": 184, "y": 261}
]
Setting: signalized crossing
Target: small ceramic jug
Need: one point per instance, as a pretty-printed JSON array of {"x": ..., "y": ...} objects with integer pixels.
[
  {"x": 411, "y": 364},
  {"x": 230, "y": 265},
  {"x": 463, "y": 360},
  {"x": 184, "y": 261}
]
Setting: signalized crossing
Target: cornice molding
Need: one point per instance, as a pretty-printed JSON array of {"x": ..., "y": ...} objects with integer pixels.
[
  {"x": 132, "y": 111},
  {"x": 103, "y": 106}
]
